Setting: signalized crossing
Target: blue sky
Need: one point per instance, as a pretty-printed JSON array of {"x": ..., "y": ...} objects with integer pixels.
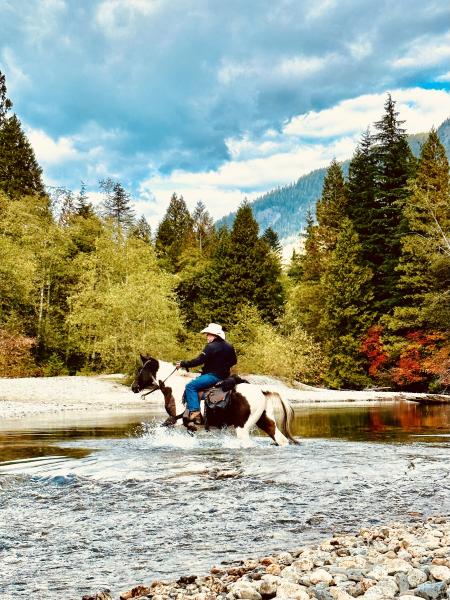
[{"x": 215, "y": 100}]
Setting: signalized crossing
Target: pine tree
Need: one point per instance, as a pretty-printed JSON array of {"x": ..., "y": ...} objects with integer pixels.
[
  {"x": 361, "y": 194},
  {"x": 20, "y": 174},
  {"x": 117, "y": 204},
  {"x": 203, "y": 228},
  {"x": 272, "y": 240},
  {"x": 424, "y": 267},
  {"x": 331, "y": 208},
  {"x": 142, "y": 230},
  {"x": 394, "y": 166},
  {"x": 174, "y": 233},
  {"x": 347, "y": 295},
  {"x": 5, "y": 102},
  {"x": 83, "y": 207},
  {"x": 244, "y": 271}
]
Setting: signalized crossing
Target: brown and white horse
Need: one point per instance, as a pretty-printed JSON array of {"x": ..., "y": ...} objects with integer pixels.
[{"x": 250, "y": 405}]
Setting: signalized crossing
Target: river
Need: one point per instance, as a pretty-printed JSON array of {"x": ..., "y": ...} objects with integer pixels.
[{"x": 98, "y": 504}]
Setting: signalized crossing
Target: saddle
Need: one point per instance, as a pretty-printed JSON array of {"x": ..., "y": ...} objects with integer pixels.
[{"x": 218, "y": 396}]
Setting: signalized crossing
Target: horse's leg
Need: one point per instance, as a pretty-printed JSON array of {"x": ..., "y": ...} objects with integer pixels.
[{"x": 269, "y": 426}]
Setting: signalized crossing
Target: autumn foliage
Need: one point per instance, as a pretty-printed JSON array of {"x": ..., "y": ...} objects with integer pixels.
[{"x": 16, "y": 359}]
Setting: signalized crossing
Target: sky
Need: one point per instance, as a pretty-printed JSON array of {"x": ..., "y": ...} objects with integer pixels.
[{"x": 215, "y": 100}]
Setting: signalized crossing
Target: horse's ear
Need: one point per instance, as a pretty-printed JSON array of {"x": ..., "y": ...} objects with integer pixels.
[{"x": 144, "y": 359}]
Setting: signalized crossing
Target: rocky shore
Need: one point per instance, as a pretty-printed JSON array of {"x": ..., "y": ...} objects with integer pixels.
[{"x": 397, "y": 561}]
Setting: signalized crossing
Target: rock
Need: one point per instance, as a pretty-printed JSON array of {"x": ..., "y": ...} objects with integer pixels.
[
  {"x": 401, "y": 579},
  {"x": 431, "y": 591},
  {"x": 267, "y": 560},
  {"x": 397, "y": 565},
  {"x": 268, "y": 585},
  {"x": 378, "y": 572},
  {"x": 354, "y": 574},
  {"x": 322, "y": 593},
  {"x": 290, "y": 574},
  {"x": 136, "y": 592},
  {"x": 440, "y": 573},
  {"x": 303, "y": 564},
  {"x": 385, "y": 588},
  {"x": 416, "y": 577},
  {"x": 285, "y": 558},
  {"x": 291, "y": 591},
  {"x": 244, "y": 590},
  {"x": 340, "y": 594},
  {"x": 105, "y": 595},
  {"x": 408, "y": 597},
  {"x": 320, "y": 576},
  {"x": 273, "y": 569}
]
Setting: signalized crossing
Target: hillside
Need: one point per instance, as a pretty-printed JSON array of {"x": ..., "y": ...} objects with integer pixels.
[{"x": 284, "y": 209}]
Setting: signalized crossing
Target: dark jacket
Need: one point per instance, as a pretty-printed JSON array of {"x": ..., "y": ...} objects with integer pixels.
[{"x": 217, "y": 357}]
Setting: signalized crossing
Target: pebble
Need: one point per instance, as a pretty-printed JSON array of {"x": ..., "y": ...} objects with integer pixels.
[{"x": 409, "y": 562}]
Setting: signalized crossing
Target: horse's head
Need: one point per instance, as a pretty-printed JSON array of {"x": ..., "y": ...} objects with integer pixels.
[{"x": 146, "y": 375}]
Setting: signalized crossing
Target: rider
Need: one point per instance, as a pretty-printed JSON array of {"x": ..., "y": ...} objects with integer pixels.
[{"x": 217, "y": 357}]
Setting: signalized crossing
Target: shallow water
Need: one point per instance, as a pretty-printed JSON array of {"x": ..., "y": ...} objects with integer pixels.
[{"x": 100, "y": 505}]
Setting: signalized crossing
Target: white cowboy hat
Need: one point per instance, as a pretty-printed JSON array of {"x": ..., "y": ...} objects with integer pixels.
[{"x": 214, "y": 329}]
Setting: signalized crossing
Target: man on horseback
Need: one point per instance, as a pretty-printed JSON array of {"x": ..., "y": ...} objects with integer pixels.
[{"x": 217, "y": 358}]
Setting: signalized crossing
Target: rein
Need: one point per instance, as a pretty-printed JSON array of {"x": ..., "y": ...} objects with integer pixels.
[{"x": 158, "y": 387}]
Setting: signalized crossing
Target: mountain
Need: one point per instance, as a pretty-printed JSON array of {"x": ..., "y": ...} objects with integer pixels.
[{"x": 284, "y": 209}]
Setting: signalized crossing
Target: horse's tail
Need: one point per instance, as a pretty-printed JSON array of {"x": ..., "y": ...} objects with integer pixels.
[{"x": 288, "y": 413}]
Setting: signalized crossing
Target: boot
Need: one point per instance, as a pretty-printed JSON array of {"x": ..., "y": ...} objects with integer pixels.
[{"x": 191, "y": 419}]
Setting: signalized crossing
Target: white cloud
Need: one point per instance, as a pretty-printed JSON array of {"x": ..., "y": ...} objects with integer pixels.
[
  {"x": 445, "y": 77},
  {"x": 419, "y": 107},
  {"x": 117, "y": 17},
  {"x": 17, "y": 78},
  {"x": 277, "y": 159},
  {"x": 49, "y": 151},
  {"x": 319, "y": 8},
  {"x": 300, "y": 66},
  {"x": 425, "y": 53}
]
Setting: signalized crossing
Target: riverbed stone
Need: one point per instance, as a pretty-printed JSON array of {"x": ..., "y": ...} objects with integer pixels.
[
  {"x": 378, "y": 572},
  {"x": 291, "y": 591},
  {"x": 397, "y": 565},
  {"x": 285, "y": 558},
  {"x": 244, "y": 590},
  {"x": 416, "y": 577},
  {"x": 290, "y": 574},
  {"x": 303, "y": 564},
  {"x": 273, "y": 569},
  {"x": 268, "y": 585},
  {"x": 322, "y": 593},
  {"x": 431, "y": 591},
  {"x": 401, "y": 579},
  {"x": 440, "y": 573},
  {"x": 320, "y": 576},
  {"x": 385, "y": 588}
]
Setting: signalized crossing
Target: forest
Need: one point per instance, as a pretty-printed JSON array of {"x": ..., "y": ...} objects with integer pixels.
[{"x": 85, "y": 288}]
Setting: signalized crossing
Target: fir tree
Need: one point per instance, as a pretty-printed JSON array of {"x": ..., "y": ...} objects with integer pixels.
[
  {"x": 20, "y": 174},
  {"x": 272, "y": 240},
  {"x": 347, "y": 295},
  {"x": 5, "y": 102},
  {"x": 117, "y": 204},
  {"x": 424, "y": 267},
  {"x": 244, "y": 271},
  {"x": 174, "y": 233},
  {"x": 203, "y": 228},
  {"x": 331, "y": 208},
  {"x": 142, "y": 230},
  {"x": 394, "y": 165},
  {"x": 83, "y": 207}
]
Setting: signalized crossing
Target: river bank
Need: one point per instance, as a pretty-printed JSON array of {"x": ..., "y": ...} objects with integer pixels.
[
  {"x": 23, "y": 398},
  {"x": 409, "y": 561}
]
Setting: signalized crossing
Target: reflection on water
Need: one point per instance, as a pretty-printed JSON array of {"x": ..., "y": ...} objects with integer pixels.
[{"x": 111, "y": 506}]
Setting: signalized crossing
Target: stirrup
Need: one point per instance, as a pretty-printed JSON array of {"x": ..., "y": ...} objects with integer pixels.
[{"x": 191, "y": 419}]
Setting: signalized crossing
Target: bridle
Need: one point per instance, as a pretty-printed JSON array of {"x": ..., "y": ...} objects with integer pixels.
[{"x": 157, "y": 386}]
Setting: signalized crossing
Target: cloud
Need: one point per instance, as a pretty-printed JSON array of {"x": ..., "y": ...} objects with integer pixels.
[
  {"x": 49, "y": 151},
  {"x": 425, "y": 53}
]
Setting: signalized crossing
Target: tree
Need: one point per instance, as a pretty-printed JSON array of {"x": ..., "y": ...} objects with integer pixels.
[
  {"x": 394, "y": 166},
  {"x": 5, "y": 102},
  {"x": 243, "y": 271},
  {"x": 347, "y": 296},
  {"x": 117, "y": 204},
  {"x": 331, "y": 208},
  {"x": 20, "y": 174},
  {"x": 83, "y": 207},
  {"x": 272, "y": 240},
  {"x": 175, "y": 233},
  {"x": 142, "y": 230},
  {"x": 203, "y": 228}
]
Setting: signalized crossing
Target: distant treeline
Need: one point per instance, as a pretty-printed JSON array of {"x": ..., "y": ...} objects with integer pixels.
[{"x": 86, "y": 288}]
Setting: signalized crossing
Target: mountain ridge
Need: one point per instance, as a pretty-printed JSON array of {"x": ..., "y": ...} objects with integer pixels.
[{"x": 284, "y": 208}]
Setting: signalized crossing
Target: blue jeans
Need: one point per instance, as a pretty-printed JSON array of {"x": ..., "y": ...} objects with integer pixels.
[{"x": 193, "y": 387}]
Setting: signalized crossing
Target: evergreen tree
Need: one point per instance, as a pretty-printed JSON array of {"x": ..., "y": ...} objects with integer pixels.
[
  {"x": 272, "y": 240},
  {"x": 244, "y": 271},
  {"x": 362, "y": 194},
  {"x": 174, "y": 233},
  {"x": 142, "y": 230},
  {"x": 394, "y": 165},
  {"x": 83, "y": 207},
  {"x": 347, "y": 295},
  {"x": 117, "y": 204},
  {"x": 331, "y": 208},
  {"x": 20, "y": 174},
  {"x": 5, "y": 102},
  {"x": 424, "y": 266},
  {"x": 203, "y": 228}
]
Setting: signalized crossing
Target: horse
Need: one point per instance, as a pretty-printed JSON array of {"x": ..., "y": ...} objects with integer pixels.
[{"x": 249, "y": 404}]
